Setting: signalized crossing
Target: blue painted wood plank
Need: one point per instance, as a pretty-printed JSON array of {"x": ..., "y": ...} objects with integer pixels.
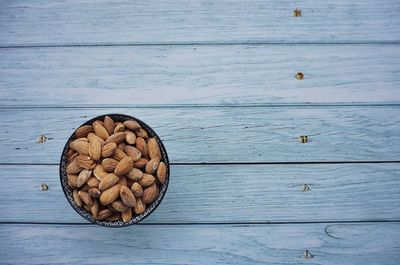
[
  {"x": 221, "y": 134},
  {"x": 230, "y": 193},
  {"x": 120, "y": 22},
  {"x": 143, "y": 75},
  {"x": 368, "y": 243}
]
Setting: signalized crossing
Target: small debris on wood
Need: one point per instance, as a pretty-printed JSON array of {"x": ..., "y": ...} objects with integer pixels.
[
  {"x": 299, "y": 76},
  {"x": 306, "y": 188},
  {"x": 44, "y": 187},
  {"x": 42, "y": 138},
  {"x": 307, "y": 254},
  {"x": 303, "y": 139},
  {"x": 297, "y": 13}
]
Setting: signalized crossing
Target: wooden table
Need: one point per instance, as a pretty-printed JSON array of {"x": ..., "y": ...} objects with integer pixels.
[{"x": 216, "y": 80}]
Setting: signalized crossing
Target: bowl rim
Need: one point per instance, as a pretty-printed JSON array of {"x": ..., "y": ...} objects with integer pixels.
[{"x": 82, "y": 212}]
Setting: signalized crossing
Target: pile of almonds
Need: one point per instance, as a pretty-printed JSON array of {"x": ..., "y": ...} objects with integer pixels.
[{"x": 114, "y": 169}]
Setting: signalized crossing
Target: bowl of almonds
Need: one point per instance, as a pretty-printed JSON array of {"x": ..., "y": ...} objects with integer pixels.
[{"x": 114, "y": 170}]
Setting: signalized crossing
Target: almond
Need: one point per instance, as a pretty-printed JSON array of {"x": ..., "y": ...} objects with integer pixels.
[
  {"x": 70, "y": 153},
  {"x": 93, "y": 182},
  {"x": 119, "y": 127},
  {"x": 137, "y": 190},
  {"x": 110, "y": 195},
  {"x": 127, "y": 215},
  {"x": 72, "y": 181},
  {"x": 127, "y": 196},
  {"x": 146, "y": 180},
  {"x": 100, "y": 173},
  {"x": 95, "y": 149},
  {"x": 109, "y": 164},
  {"x": 72, "y": 157},
  {"x": 116, "y": 216},
  {"x": 152, "y": 166},
  {"x": 140, "y": 207},
  {"x": 83, "y": 177},
  {"x": 109, "y": 125},
  {"x": 103, "y": 214},
  {"x": 85, "y": 197},
  {"x": 154, "y": 149},
  {"x": 130, "y": 137},
  {"x": 86, "y": 207},
  {"x": 85, "y": 162},
  {"x": 94, "y": 210},
  {"x": 116, "y": 138},
  {"x": 142, "y": 133},
  {"x": 122, "y": 181},
  {"x": 94, "y": 192},
  {"x": 132, "y": 125},
  {"x": 141, "y": 163},
  {"x": 150, "y": 194},
  {"x": 83, "y": 131},
  {"x": 161, "y": 172},
  {"x": 92, "y": 135},
  {"x": 135, "y": 174},
  {"x": 76, "y": 198},
  {"x": 82, "y": 147},
  {"x": 108, "y": 149},
  {"x": 141, "y": 145},
  {"x": 119, "y": 155},
  {"x": 119, "y": 206},
  {"x": 124, "y": 166},
  {"x": 100, "y": 131},
  {"x": 73, "y": 167},
  {"x": 108, "y": 181},
  {"x": 132, "y": 152}
]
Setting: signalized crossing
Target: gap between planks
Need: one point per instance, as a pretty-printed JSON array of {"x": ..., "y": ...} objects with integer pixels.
[
  {"x": 239, "y": 163},
  {"x": 216, "y": 223},
  {"x": 204, "y": 43},
  {"x": 205, "y": 105}
]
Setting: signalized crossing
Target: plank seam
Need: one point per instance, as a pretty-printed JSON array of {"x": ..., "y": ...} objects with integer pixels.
[
  {"x": 225, "y": 105},
  {"x": 218, "y": 223},
  {"x": 189, "y": 43},
  {"x": 236, "y": 163}
]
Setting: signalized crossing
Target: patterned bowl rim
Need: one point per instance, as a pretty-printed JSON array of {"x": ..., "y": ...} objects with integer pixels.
[{"x": 68, "y": 191}]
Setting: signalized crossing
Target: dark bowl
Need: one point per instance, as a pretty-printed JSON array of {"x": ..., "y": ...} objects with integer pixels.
[{"x": 68, "y": 191}]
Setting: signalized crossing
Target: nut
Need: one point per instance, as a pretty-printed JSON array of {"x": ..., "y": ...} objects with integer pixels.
[
  {"x": 146, "y": 180},
  {"x": 127, "y": 196},
  {"x": 109, "y": 125},
  {"x": 110, "y": 195},
  {"x": 154, "y": 149},
  {"x": 161, "y": 172},
  {"x": 152, "y": 166},
  {"x": 132, "y": 125},
  {"x": 108, "y": 181},
  {"x": 132, "y": 152},
  {"x": 150, "y": 194},
  {"x": 137, "y": 190},
  {"x": 108, "y": 149},
  {"x": 109, "y": 164},
  {"x": 124, "y": 166},
  {"x": 83, "y": 131},
  {"x": 100, "y": 131}
]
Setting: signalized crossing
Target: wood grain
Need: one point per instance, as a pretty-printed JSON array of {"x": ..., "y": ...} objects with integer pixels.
[
  {"x": 122, "y": 22},
  {"x": 221, "y": 134},
  {"x": 370, "y": 243},
  {"x": 183, "y": 75},
  {"x": 204, "y": 194}
]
